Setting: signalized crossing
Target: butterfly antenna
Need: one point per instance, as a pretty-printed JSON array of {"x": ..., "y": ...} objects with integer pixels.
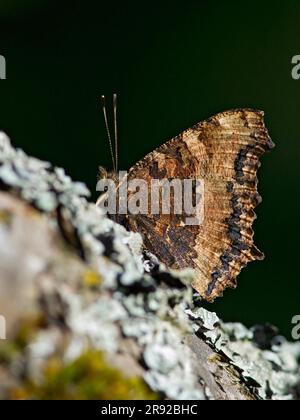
[
  {"x": 108, "y": 132},
  {"x": 116, "y": 131}
]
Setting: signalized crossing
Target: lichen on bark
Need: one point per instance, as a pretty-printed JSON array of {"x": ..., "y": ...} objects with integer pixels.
[{"x": 74, "y": 283}]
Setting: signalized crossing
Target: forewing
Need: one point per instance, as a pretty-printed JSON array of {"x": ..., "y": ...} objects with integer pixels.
[{"x": 224, "y": 152}]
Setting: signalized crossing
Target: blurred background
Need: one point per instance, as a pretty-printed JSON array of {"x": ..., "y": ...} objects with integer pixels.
[{"x": 173, "y": 63}]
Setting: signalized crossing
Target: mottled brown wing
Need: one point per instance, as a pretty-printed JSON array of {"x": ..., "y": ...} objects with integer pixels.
[{"x": 224, "y": 151}]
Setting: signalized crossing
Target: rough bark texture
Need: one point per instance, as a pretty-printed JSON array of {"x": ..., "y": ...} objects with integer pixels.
[{"x": 89, "y": 315}]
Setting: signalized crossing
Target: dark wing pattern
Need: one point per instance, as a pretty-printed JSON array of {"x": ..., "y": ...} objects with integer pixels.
[{"x": 224, "y": 151}]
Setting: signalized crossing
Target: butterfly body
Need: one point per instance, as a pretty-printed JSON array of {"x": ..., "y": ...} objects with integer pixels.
[{"x": 224, "y": 152}]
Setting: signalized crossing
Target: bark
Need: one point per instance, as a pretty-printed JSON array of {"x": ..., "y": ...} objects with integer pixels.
[{"x": 73, "y": 283}]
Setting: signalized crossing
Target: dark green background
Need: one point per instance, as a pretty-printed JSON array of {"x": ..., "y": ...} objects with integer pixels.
[{"x": 173, "y": 64}]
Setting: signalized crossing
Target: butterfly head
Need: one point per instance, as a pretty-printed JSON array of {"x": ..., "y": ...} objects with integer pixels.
[{"x": 105, "y": 174}]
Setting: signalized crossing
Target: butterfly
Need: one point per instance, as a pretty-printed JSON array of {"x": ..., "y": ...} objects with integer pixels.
[{"x": 225, "y": 152}]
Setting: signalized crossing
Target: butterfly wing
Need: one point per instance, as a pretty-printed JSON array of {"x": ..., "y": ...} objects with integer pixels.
[{"x": 224, "y": 152}]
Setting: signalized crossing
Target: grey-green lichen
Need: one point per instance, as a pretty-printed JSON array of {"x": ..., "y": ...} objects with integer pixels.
[
  {"x": 126, "y": 296},
  {"x": 274, "y": 372},
  {"x": 89, "y": 377},
  {"x": 127, "y": 304}
]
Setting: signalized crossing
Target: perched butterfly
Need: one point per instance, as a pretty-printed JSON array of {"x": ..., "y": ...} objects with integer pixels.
[{"x": 224, "y": 151}]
